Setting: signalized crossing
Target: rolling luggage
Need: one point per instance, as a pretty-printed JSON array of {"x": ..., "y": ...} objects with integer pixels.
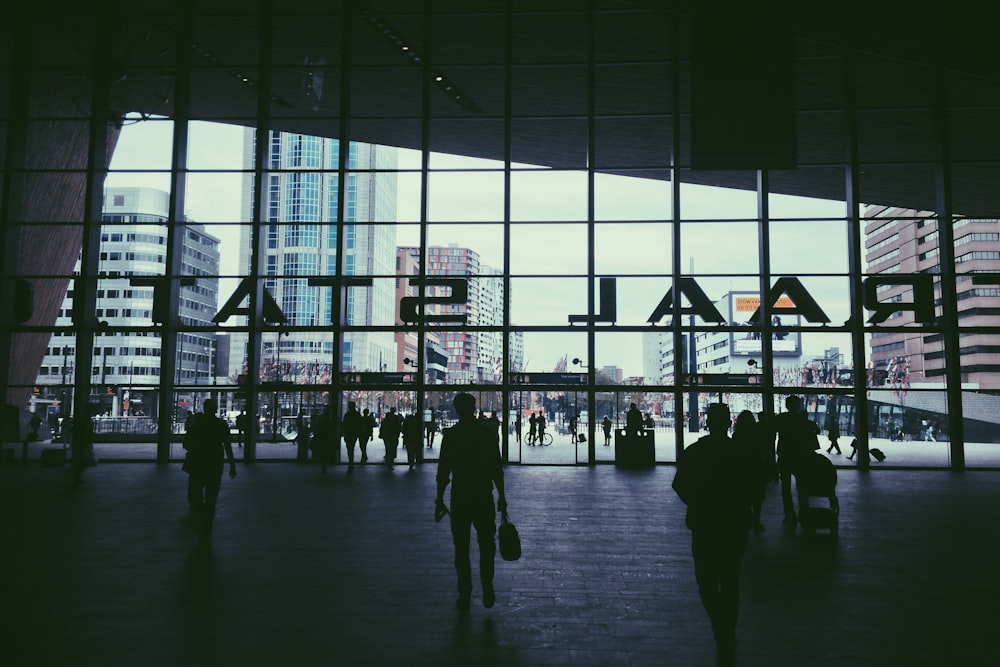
[
  {"x": 877, "y": 454},
  {"x": 816, "y": 482}
]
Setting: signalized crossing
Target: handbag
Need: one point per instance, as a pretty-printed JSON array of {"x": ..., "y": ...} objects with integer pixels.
[{"x": 510, "y": 541}]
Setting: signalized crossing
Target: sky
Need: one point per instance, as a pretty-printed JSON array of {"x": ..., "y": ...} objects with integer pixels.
[{"x": 630, "y": 251}]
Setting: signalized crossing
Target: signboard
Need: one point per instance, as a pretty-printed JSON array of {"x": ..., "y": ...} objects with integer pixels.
[
  {"x": 722, "y": 379},
  {"x": 784, "y": 343},
  {"x": 549, "y": 378},
  {"x": 377, "y": 378}
]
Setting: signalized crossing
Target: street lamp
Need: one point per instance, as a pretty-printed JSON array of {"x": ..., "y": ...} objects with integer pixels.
[{"x": 576, "y": 393}]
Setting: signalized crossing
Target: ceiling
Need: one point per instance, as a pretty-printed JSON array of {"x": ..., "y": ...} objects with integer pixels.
[{"x": 898, "y": 68}]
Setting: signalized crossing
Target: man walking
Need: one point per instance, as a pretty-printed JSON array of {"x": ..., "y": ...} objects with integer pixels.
[
  {"x": 352, "y": 424},
  {"x": 392, "y": 427},
  {"x": 470, "y": 461},
  {"x": 206, "y": 442},
  {"x": 797, "y": 437},
  {"x": 716, "y": 480}
]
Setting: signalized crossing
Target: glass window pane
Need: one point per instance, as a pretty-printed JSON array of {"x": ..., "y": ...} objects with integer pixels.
[
  {"x": 702, "y": 249},
  {"x": 547, "y": 301},
  {"x": 548, "y": 195},
  {"x": 548, "y": 249}
]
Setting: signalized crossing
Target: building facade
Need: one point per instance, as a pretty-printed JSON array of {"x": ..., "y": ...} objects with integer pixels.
[
  {"x": 127, "y": 363},
  {"x": 907, "y": 241}
]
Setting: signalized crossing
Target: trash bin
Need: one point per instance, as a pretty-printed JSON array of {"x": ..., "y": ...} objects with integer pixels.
[{"x": 635, "y": 451}]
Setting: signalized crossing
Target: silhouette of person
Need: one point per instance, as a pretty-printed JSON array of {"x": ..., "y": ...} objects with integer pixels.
[
  {"x": 796, "y": 438},
  {"x": 325, "y": 438},
  {"x": 32, "y": 434},
  {"x": 207, "y": 443},
  {"x": 633, "y": 421},
  {"x": 367, "y": 432},
  {"x": 606, "y": 425},
  {"x": 517, "y": 427},
  {"x": 532, "y": 428},
  {"x": 715, "y": 480},
  {"x": 412, "y": 436},
  {"x": 82, "y": 445},
  {"x": 541, "y": 427},
  {"x": 749, "y": 436},
  {"x": 854, "y": 449},
  {"x": 834, "y": 434},
  {"x": 430, "y": 431},
  {"x": 470, "y": 461},
  {"x": 572, "y": 427},
  {"x": 392, "y": 427},
  {"x": 241, "y": 427},
  {"x": 302, "y": 436},
  {"x": 352, "y": 425}
]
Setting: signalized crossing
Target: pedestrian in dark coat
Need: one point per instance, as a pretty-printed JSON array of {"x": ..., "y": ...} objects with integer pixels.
[
  {"x": 392, "y": 427},
  {"x": 470, "y": 461},
  {"x": 715, "y": 480},
  {"x": 207, "y": 443}
]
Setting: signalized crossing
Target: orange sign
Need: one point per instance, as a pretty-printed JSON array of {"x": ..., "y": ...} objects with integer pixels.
[{"x": 749, "y": 304}]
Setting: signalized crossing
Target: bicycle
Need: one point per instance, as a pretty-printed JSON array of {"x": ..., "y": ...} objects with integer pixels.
[{"x": 533, "y": 439}]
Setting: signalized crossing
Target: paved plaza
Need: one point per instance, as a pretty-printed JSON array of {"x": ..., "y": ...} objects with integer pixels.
[{"x": 338, "y": 569}]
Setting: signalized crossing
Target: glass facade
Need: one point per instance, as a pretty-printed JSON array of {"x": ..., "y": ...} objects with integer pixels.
[{"x": 294, "y": 208}]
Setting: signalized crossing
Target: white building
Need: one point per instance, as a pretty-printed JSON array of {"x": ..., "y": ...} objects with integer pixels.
[{"x": 126, "y": 371}]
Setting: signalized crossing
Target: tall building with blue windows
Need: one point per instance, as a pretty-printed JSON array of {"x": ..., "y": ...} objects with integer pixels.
[{"x": 300, "y": 210}]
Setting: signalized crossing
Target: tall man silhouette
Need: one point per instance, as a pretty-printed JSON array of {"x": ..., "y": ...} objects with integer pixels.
[
  {"x": 470, "y": 461},
  {"x": 207, "y": 443},
  {"x": 352, "y": 425},
  {"x": 796, "y": 439},
  {"x": 716, "y": 480}
]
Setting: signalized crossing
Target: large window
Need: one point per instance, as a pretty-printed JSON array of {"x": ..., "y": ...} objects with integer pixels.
[{"x": 520, "y": 217}]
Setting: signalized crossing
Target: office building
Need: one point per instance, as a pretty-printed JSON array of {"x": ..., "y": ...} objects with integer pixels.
[
  {"x": 908, "y": 241},
  {"x": 126, "y": 374}
]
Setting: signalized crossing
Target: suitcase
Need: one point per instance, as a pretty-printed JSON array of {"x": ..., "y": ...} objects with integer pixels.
[
  {"x": 815, "y": 518},
  {"x": 877, "y": 454}
]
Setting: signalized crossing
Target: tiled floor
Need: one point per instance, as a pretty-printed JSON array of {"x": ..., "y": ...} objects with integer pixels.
[{"x": 306, "y": 569}]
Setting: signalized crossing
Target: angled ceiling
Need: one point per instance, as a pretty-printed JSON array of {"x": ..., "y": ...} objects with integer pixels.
[{"x": 901, "y": 61}]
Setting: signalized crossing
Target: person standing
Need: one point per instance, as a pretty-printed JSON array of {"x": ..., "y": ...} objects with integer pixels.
[
  {"x": 352, "y": 426},
  {"x": 302, "y": 436},
  {"x": 633, "y": 421},
  {"x": 532, "y": 428},
  {"x": 241, "y": 427},
  {"x": 325, "y": 438},
  {"x": 797, "y": 437},
  {"x": 541, "y": 428},
  {"x": 389, "y": 432},
  {"x": 749, "y": 437},
  {"x": 606, "y": 425},
  {"x": 412, "y": 436},
  {"x": 715, "y": 480},
  {"x": 470, "y": 462},
  {"x": 367, "y": 432},
  {"x": 207, "y": 443},
  {"x": 430, "y": 430}
]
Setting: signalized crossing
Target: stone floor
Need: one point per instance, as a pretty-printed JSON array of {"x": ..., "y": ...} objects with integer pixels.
[{"x": 307, "y": 569}]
